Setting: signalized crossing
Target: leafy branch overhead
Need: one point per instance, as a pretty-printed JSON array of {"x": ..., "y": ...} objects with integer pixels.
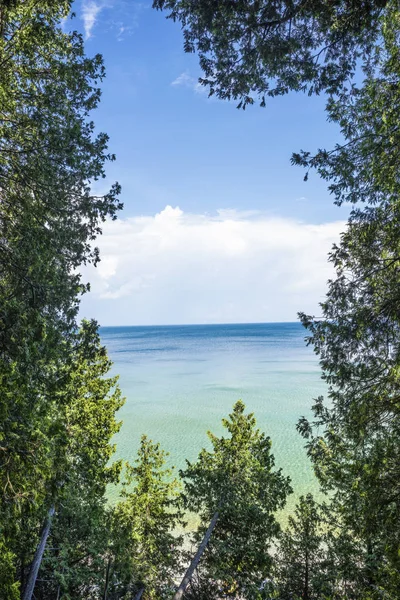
[{"x": 253, "y": 49}]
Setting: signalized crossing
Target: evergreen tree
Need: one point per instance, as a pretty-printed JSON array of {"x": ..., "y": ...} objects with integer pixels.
[
  {"x": 354, "y": 439},
  {"x": 236, "y": 488},
  {"x": 8, "y": 585},
  {"x": 301, "y": 560},
  {"x": 49, "y": 217},
  {"x": 73, "y": 565},
  {"x": 144, "y": 551}
]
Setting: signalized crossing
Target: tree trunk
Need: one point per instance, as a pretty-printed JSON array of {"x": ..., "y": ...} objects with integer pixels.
[
  {"x": 306, "y": 579},
  {"x": 107, "y": 579},
  {"x": 370, "y": 566},
  {"x": 37, "y": 559},
  {"x": 139, "y": 594},
  {"x": 196, "y": 559}
]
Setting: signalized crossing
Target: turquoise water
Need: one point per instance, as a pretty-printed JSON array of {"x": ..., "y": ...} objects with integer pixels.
[{"x": 179, "y": 381}]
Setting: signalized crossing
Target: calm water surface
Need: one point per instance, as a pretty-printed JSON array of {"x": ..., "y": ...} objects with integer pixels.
[{"x": 179, "y": 381}]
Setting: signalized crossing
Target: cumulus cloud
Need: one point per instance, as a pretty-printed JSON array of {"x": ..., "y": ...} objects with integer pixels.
[
  {"x": 90, "y": 12},
  {"x": 176, "y": 267}
]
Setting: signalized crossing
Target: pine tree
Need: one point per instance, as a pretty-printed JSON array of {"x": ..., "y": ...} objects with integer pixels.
[
  {"x": 144, "y": 552},
  {"x": 74, "y": 559},
  {"x": 301, "y": 562},
  {"x": 235, "y": 488}
]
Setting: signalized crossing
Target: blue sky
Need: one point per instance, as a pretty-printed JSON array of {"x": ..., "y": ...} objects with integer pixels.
[{"x": 177, "y": 148}]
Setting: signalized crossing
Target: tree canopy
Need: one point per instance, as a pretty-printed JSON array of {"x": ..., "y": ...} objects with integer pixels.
[
  {"x": 357, "y": 338},
  {"x": 59, "y": 538},
  {"x": 50, "y": 157},
  {"x": 262, "y": 48},
  {"x": 237, "y": 481}
]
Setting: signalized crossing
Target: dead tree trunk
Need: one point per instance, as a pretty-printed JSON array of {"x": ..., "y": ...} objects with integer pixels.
[
  {"x": 139, "y": 594},
  {"x": 107, "y": 579},
  {"x": 196, "y": 559},
  {"x": 37, "y": 559}
]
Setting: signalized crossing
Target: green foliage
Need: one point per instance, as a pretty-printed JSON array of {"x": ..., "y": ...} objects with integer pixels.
[
  {"x": 237, "y": 480},
  {"x": 250, "y": 49},
  {"x": 354, "y": 440},
  {"x": 301, "y": 560},
  {"x": 267, "y": 48},
  {"x": 57, "y": 403},
  {"x": 78, "y": 539},
  {"x": 144, "y": 551},
  {"x": 49, "y": 217},
  {"x": 363, "y": 169},
  {"x": 8, "y": 586}
]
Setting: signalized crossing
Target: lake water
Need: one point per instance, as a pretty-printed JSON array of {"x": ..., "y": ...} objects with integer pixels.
[{"x": 179, "y": 381}]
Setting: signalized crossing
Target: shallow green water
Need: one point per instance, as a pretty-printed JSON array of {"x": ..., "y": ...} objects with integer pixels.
[{"x": 179, "y": 381}]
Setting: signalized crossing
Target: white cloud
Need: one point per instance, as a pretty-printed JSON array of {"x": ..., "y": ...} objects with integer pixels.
[
  {"x": 186, "y": 80},
  {"x": 122, "y": 16},
  {"x": 175, "y": 267},
  {"x": 183, "y": 79},
  {"x": 121, "y": 31},
  {"x": 90, "y": 12}
]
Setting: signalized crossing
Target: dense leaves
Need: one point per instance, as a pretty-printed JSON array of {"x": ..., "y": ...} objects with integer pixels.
[
  {"x": 354, "y": 440},
  {"x": 300, "y": 565},
  {"x": 73, "y": 562},
  {"x": 237, "y": 480},
  {"x": 144, "y": 552},
  {"x": 258, "y": 48},
  {"x": 58, "y": 404},
  {"x": 49, "y": 217}
]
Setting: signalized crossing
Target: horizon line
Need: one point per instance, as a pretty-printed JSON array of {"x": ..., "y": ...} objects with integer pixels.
[{"x": 207, "y": 324}]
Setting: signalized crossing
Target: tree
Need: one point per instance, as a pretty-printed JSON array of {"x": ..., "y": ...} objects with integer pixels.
[
  {"x": 267, "y": 48},
  {"x": 49, "y": 218},
  {"x": 363, "y": 168},
  {"x": 354, "y": 438},
  {"x": 8, "y": 585},
  {"x": 236, "y": 485},
  {"x": 49, "y": 156},
  {"x": 75, "y": 497},
  {"x": 144, "y": 552},
  {"x": 78, "y": 537},
  {"x": 301, "y": 561}
]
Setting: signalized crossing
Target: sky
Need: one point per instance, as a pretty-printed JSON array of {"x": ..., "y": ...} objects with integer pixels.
[{"x": 217, "y": 225}]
